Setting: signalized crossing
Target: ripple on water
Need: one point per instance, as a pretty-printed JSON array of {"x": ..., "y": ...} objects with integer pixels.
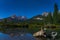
[{"x": 16, "y": 37}]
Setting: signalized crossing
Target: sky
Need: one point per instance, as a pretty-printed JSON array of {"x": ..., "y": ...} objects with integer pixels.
[{"x": 28, "y": 8}]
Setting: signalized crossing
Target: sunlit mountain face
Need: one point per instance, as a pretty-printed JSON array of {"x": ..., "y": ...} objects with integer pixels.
[
  {"x": 14, "y": 18},
  {"x": 17, "y": 18}
]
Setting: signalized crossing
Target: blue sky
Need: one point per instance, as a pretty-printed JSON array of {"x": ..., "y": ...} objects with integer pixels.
[{"x": 26, "y": 8}]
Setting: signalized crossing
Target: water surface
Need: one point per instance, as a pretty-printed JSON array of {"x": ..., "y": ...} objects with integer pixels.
[{"x": 26, "y": 36}]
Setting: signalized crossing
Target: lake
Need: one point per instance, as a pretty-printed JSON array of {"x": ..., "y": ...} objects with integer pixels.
[{"x": 26, "y": 36}]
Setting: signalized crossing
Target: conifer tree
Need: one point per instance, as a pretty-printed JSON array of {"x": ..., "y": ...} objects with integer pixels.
[
  {"x": 49, "y": 18},
  {"x": 55, "y": 14}
]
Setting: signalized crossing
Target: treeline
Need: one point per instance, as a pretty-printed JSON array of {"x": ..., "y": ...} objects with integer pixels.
[{"x": 53, "y": 18}]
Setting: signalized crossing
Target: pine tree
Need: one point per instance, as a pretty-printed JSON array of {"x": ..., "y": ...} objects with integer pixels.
[
  {"x": 55, "y": 14},
  {"x": 59, "y": 17},
  {"x": 49, "y": 18}
]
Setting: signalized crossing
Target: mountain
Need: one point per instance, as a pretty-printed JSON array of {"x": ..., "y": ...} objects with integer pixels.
[
  {"x": 18, "y": 18},
  {"x": 14, "y": 18},
  {"x": 36, "y": 19}
]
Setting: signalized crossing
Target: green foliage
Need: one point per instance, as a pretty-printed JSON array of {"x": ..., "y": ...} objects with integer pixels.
[
  {"x": 58, "y": 18},
  {"x": 55, "y": 14},
  {"x": 49, "y": 19}
]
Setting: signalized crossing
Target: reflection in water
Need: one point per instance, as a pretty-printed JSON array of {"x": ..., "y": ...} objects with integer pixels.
[{"x": 16, "y": 37}]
